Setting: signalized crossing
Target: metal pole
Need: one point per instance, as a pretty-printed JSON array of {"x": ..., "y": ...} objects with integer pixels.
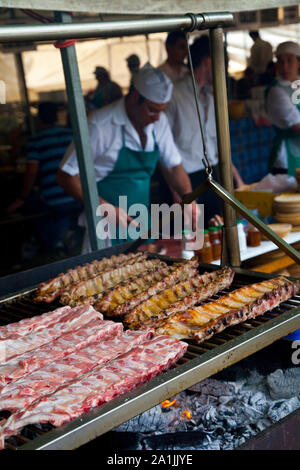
[
  {"x": 23, "y": 84},
  {"x": 52, "y": 32},
  {"x": 24, "y": 91},
  {"x": 232, "y": 252},
  {"x": 81, "y": 137}
]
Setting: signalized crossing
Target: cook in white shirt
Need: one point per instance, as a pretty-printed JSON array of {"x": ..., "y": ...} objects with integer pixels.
[
  {"x": 283, "y": 111},
  {"x": 183, "y": 118},
  {"x": 261, "y": 53},
  {"x": 174, "y": 67},
  {"x": 127, "y": 139}
]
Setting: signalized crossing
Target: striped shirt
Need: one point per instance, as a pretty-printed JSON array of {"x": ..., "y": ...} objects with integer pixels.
[{"x": 47, "y": 148}]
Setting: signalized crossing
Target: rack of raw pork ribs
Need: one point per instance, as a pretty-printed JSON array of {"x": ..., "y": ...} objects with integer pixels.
[{"x": 121, "y": 322}]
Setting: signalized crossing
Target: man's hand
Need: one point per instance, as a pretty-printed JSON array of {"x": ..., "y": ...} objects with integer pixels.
[
  {"x": 116, "y": 215},
  {"x": 191, "y": 214},
  {"x": 14, "y": 206},
  {"x": 123, "y": 219}
]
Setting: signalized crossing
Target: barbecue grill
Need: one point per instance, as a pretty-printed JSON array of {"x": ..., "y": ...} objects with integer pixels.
[{"x": 199, "y": 362}]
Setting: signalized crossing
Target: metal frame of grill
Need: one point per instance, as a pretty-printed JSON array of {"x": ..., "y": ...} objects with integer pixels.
[{"x": 200, "y": 361}]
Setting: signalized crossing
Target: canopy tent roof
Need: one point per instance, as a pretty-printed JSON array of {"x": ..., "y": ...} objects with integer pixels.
[{"x": 147, "y": 7}]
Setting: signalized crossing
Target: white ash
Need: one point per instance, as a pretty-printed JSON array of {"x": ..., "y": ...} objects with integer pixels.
[
  {"x": 225, "y": 414},
  {"x": 284, "y": 384}
]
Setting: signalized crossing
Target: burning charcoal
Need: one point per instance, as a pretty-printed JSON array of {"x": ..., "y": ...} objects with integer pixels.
[
  {"x": 241, "y": 441},
  {"x": 211, "y": 414},
  {"x": 224, "y": 415},
  {"x": 282, "y": 408},
  {"x": 258, "y": 398},
  {"x": 262, "y": 424},
  {"x": 230, "y": 423},
  {"x": 215, "y": 445},
  {"x": 212, "y": 387},
  {"x": 284, "y": 384}
]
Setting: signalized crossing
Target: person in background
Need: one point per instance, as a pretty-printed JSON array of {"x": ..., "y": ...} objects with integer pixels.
[
  {"x": 261, "y": 53},
  {"x": 128, "y": 138},
  {"x": 183, "y": 119},
  {"x": 44, "y": 153},
  {"x": 133, "y": 64},
  {"x": 268, "y": 76},
  {"x": 245, "y": 84},
  {"x": 107, "y": 91},
  {"x": 174, "y": 67},
  {"x": 283, "y": 110}
]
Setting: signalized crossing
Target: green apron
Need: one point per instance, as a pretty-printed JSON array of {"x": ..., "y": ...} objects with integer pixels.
[
  {"x": 288, "y": 136},
  {"x": 98, "y": 100},
  {"x": 130, "y": 177}
]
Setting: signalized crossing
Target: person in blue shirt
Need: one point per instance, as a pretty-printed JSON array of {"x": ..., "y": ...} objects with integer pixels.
[{"x": 44, "y": 153}]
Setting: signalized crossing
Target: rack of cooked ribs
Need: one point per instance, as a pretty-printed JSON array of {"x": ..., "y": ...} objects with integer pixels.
[
  {"x": 203, "y": 321},
  {"x": 54, "y": 288},
  {"x": 174, "y": 299}
]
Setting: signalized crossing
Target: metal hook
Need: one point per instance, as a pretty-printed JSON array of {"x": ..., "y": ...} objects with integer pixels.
[
  {"x": 208, "y": 168},
  {"x": 207, "y": 164}
]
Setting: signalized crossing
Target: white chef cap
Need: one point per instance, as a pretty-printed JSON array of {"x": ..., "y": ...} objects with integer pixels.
[
  {"x": 288, "y": 47},
  {"x": 153, "y": 84}
]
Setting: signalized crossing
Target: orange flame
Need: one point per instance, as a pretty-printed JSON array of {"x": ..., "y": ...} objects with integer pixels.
[
  {"x": 167, "y": 403},
  {"x": 186, "y": 414}
]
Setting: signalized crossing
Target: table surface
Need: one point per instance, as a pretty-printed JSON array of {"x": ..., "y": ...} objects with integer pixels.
[
  {"x": 173, "y": 247},
  {"x": 265, "y": 247}
]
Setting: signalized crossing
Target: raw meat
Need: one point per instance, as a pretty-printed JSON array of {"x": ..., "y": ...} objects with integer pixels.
[
  {"x": 71, "y": 320},
  {"x": 28, "y": 325},
  {"x": 66, "y": 344},
  {"x": 100, "y": 385},
  {"x": 23, "y": 392}
]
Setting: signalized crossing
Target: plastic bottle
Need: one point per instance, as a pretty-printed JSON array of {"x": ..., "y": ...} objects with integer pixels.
[
  {"x": 215, "y": 242},
  {"x": 220, "y": 231},
  {"x": 205, "y": 255}
]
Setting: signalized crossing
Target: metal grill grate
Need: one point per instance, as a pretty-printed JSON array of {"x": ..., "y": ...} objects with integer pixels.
[{"x": 199, "y": 362}]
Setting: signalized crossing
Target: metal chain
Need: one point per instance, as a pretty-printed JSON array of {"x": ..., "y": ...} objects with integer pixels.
[{"x": 205, "y": 161}]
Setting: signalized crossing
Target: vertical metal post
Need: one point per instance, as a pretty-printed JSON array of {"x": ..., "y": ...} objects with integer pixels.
[
  {"x": 22, "y": 84},
  {"x": 231, "y": 254},
  {"x": 24, "y": 91},
  {"x": 81, "y": 136}
]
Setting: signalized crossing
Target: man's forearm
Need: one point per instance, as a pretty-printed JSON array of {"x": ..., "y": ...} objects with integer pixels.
[
  {"x": 71, "y": 184},
  {"x": 179, "y": 180},
  {"x": 30, "y": 175}
]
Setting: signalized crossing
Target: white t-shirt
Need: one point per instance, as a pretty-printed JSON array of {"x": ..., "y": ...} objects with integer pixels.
[
  {"x": 105, "y": 128},
  {"x": 183, "y": 118},
  {"x": 173, "y": 74},
  {"x": 261, "y": 55},
  {"x": 282, "y": 113}
]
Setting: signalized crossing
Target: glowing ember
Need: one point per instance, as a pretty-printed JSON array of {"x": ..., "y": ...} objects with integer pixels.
[
  {"x": 167, "y": 403},
  {"x": 186, "y": 414}
]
